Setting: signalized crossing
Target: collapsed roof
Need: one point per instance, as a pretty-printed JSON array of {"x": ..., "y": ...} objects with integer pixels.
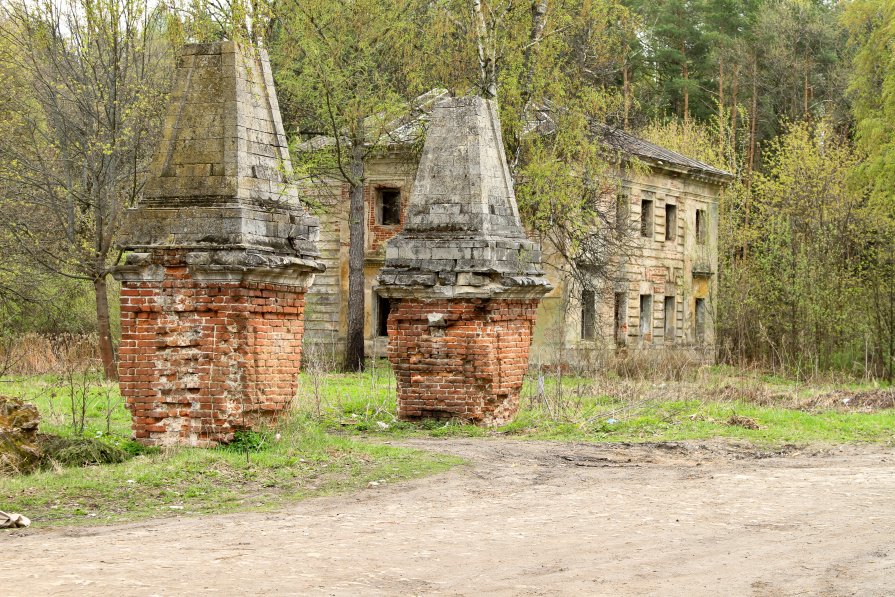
[{"x": 409, "y": 128}]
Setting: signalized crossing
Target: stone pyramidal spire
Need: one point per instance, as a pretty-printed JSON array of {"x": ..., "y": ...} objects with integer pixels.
[
  {"x": 462, "y": 235},
  {"x": 462, "y": 279},
  {"x": 217, "y": 180},
  {"x": 463, "y": 186}
]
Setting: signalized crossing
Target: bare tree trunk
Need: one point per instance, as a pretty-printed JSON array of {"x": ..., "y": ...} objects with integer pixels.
[
  {"x": 805, "y": 111},
  {"x": 627, "y": 93},
  {"x": 721, "y": 118},
  {"x": 487, "y": 68},
  {"x": 539, "y": 20},
  {"x": 733, "y": 105},
  {"x": 753, "y": 116},
  {"x": 104, "y": 328},
  {"x": 686, "y": 72},
  {"x": 890, "y": 368},
  {"x": 354, "y": 348}
]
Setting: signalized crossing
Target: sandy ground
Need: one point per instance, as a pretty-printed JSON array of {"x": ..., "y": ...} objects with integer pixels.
[{"x": 527, "y": 518}]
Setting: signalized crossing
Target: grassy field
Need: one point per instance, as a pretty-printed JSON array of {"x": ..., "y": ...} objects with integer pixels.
[
  {"x": 716, "y": 402},
  {"x": 331, "y": 441},
  {"x": 259, "y": 472}
]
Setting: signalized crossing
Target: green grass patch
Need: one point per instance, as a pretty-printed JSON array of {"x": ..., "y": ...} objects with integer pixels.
[
  {"x": 258, "y": 471},
  {"x": 614, "y": 410},
  {"x": 61, "y": 401},
  {"x": 322, "y": 449},
  {"x": 304, "y": 462}
]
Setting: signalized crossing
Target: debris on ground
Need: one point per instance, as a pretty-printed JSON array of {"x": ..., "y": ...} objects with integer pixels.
[
  {"x": 79, "y": 451},
  {"x": 861, "y": 400},
  {"x": 13, "y": 521},
  {"x": 19, "y": 451},
  {"x": 741, "y": 421}
]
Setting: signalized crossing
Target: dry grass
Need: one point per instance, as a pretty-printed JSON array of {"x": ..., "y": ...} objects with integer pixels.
[{"x": 35, "y": 354}]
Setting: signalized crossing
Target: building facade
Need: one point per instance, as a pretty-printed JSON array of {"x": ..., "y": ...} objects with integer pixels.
[{"x": 665, "y": 282}]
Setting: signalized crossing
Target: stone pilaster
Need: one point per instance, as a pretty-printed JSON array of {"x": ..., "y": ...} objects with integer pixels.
[
  {"x": 465, "y": 278},
  {"x": 221, "y": 253}
]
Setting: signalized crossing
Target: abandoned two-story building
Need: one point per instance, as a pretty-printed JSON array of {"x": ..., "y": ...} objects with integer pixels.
[{"x": 664, "y": 287}]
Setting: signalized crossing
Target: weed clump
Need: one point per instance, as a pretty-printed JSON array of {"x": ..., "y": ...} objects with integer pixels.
[
  {"x": 247, "y": 440},
  {"x": 741, "y": 421},
  {"x": 81, "y": 451}
]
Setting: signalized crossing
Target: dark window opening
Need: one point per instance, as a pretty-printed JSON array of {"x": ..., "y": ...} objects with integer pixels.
[
  {"x": 700, "y": 320},
  {"x": 646, "y": 217},
  {"x": 588, "y": 314},
  {"x": 700, "y": 227},
  {"x": 670, "y": 222},
  {"x": 621, "y": 214},
  {"x": 388, "y": 206},
  {"x": 383, "y": 308},
  {"x": 646, "y": 316},
  {"x": 670, "y": 317},
  {"x": 621, "y": 317}
]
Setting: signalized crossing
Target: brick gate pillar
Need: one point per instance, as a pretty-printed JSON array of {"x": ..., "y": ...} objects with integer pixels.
[
  {"x": 220, "y": 255},
  {"x": 464, "y": 278}
]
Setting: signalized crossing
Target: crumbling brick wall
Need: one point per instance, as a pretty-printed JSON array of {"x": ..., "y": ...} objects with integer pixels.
[
  {"x": 463, "y": 359},
  {"x": 201, "y": 360}
]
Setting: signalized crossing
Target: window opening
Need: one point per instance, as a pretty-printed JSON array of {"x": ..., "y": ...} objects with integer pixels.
[
  {"x": 383, "y": 308},
  {"x": 388, "y": 206},
  {"x": 646, "y": 316},
  {"x": 670, "y": 221},
  {"x": 621, "y": 316},
  {"x": 700, "y": 320},
  {"x": 588, "y": 314},
  {"x": 669, "y": 319},
  {"x": 646, "y": 217},
  {"x": 700, "y": 227}
]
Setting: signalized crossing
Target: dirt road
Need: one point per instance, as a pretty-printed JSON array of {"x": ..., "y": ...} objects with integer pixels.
[{"x": 529, "y": 518}]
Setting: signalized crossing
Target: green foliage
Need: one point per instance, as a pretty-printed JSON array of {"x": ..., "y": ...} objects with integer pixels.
[
  {"x": 793, "y": 292},
  {"x": 343, "y": 72},
  {"x": 754, "y": 63},
  {"x": 871, "y": 26},
  {"x": 708, "y": 142},
  {"x": 248, "y": 440},
  {"x": 83, "y": 90},
  {"x": 802, "y": 57},
  {"x": 678, "y": 50}
]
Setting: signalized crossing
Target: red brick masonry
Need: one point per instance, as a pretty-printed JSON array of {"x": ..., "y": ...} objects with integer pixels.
[
  {"x": 199, "y": 361},
  {"x": 471, "y": 368}
]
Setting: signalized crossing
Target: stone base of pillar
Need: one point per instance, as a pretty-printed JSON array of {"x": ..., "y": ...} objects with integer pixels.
[
  {"x": 460, "y": 359},
  {"x": 200, "y": 360}
]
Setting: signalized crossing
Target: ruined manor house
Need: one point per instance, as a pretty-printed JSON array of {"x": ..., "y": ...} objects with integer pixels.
[
  {"x": 227, "y": 273},
  {"x": 664, "y": 296}
]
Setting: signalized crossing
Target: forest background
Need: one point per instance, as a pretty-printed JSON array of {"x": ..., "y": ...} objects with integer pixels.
[{"x": 796, "y": 98}]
